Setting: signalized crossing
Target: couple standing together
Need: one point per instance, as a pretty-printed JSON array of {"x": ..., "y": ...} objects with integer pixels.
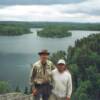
[{"x": 48, "y": 81}]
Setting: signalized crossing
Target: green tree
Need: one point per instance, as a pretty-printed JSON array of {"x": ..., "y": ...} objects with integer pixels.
[
  {"x": 54, "y": 32},
  {"x": 26, "y": 90},
  {"x": 86, "y": 56},
  {"x": 4, "y": 87},
  {"x": 58, "y": 55},
  {"x": 17, "y": 89}
]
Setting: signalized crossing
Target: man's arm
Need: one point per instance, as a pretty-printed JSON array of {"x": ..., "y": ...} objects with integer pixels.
[
  {"x": 32, "y": 75},
  {"x": 31, "y": 80},
  {"x": 69, "y": 87}
]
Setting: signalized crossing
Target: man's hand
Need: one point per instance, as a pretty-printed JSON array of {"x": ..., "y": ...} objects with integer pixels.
[
  {"x": 34, "y": 91},
  {"x": 67, "y": 98},
  {"x": 45, "y": 81}
]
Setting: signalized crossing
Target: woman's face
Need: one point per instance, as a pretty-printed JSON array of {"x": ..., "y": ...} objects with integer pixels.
[{"x": 61, "y": 67}]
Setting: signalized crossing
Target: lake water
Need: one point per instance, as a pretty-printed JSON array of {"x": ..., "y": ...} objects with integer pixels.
[{"x": 18, "y": 52}]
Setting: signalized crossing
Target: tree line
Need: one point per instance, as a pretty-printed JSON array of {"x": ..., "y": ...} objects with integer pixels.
[
  {"x": 84, "y": 64},
  {"x": 13, "y": 30},
  {"x": 54, "y": 32},
  {"x": 68, "y": 25},
  {"x": 19, "y": 28}
]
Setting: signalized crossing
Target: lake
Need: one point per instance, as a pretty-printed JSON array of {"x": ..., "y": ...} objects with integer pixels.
[{"x": 17, "y": 53}]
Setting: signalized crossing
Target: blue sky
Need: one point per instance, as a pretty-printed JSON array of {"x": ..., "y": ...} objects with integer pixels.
[{"x": 50, "y": 10}]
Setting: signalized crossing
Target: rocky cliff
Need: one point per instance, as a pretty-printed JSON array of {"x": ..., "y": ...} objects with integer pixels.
[{"x": 15, "y": 96}]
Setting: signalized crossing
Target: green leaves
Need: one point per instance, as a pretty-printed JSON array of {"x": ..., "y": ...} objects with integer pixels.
[
  {"x": 4, "y": 87},
  {"x": 54, "y": 32},
  {"x": 58, "y": 55},
  {"x": 86, "y": 55},
  {"x": 13, "y": 29}
]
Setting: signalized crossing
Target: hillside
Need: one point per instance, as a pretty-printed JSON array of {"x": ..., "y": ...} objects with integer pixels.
[{"x": 84, "y": 64}]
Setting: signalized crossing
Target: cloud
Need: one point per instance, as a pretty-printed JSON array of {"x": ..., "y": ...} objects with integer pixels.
[
  {"x": 87, "y": 7},
  {"x": 38, "y": 2},
  {"x": 87, "y": 11}
]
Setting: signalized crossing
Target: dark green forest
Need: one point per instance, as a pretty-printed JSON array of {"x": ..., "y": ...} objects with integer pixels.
[
  {"x": 54, "y": 32},
  {"x": 69, "y": 25},
  {"x": 4, "y": 87},
  {"x": 83, "y": 61},
  {"x": 13, "y": 29},
  {"x": 19, "y": 28}
]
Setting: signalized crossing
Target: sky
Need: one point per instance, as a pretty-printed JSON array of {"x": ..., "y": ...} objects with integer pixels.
[{"x": 50, "y": 10}]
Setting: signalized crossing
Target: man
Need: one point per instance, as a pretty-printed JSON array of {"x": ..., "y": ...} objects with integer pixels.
[
  {"x": 41, "y": 76},
  {"x": 62, "y": 82}
]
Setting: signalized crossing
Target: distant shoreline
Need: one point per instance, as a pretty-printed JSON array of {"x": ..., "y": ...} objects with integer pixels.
[{"x": 20, "y": 28}]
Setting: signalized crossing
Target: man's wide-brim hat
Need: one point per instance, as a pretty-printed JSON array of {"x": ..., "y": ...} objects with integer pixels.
[{"x": 44, "y": 52}]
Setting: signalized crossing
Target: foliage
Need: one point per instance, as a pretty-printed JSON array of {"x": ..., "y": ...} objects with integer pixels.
[
  {"x": 26, "y": 90},
  {"x": 17, "y": 89},
  {"x": 13, "y": 30},
  {"x": 68, "y": 25},
  {"x": 4, "y": 87},
  {"x": 84, "y": 65},
  {"x": 58, "y": 55},
  {"x": 54, "y": 32},
  {"x": 86, "y": 55}
]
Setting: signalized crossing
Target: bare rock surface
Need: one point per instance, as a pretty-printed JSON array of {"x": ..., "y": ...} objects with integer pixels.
[{"x": 15, "y": 96}]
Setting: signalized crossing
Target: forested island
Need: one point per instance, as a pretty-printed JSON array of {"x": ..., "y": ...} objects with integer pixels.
[
  {"x": 13, "y": 29},
  {"x": 54, "y": 32}
]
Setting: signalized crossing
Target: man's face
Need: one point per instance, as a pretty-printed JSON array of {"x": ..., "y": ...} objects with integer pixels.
[
  {"x": 43, "y": 57},
  {"x": 61, "y": 67}
]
